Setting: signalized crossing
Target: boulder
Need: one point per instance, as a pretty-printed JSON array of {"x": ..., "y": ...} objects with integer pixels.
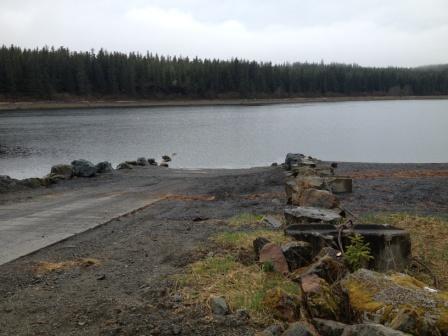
[
  {"x": 320, "y": 300},
  {"x": 284, "y": 307},
  {"x": 124, "y": 165},
  {"x": 64, "y": 170},
  {"x": 300, "y": 329},
  {"x": 272, "y": 253},
  {"x": 142, "y": 161},
  {"x": 218, "y": 305},
  {"x": 307, "y": 215},
  {"x": 297, "y": 254},
  {"x": 83, "y": 168},
  {"x": 152, "y": 162},
  {"x": 166, "y": 158},
  {"x": 163, "y": 164},
  {"x": 315, "y": 182},
  {"x": 318, "y": 198},
  {"x": 274, "y": 164},
  {"x": 329, "y": 327},
  {"x": 258, "y": 244},
  {"x": 104, "y": 167},
  {"x": 381, "y": 298},
  {"x": 371, "y": 329}
]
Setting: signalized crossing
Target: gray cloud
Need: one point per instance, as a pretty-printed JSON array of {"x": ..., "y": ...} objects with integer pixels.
[{"x": 380, "y": 32}]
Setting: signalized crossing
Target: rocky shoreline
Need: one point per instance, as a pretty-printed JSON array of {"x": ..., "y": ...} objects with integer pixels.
[{"x": 151, "y": 272}]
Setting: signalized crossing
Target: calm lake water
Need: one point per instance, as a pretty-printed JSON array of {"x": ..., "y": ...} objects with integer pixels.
[{"x": 226, "y": 136}]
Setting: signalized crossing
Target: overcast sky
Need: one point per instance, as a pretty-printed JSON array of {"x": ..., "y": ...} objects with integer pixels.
[{"x": 374, "y": 32}]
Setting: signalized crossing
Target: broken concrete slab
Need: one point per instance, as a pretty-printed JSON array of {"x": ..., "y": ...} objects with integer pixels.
[
  {"x": 389, "y": 246},
  {"x": 307, "y": 215}
]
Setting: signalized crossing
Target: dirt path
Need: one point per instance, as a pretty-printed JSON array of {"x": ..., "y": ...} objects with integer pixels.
[{"x": 117, "y": 279}]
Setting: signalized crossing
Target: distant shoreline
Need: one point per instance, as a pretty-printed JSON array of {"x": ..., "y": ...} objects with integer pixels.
[{"x": 97, "y": 103}]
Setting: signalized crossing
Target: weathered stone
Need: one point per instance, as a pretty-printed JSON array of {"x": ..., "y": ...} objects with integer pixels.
[
  {"x": 258, "y": 244},
  {"x": 307, "y": 215},
  {"x": 272, "y": 222},
  {"x": 329, "y": 327},
  {"x": 273, "y": 330},
  {"x": 163, "y": 164},
  {"x": 132, "y": 162},
  {"x": 166, "y": 158},
  {"x": 297, "y": 254},
  {"x": 318, "y": 198},
  {"x": 273, "y": 253},
  {"x": 62, "y": 170},
  {"x": 412, "y": 322},
  {"x": 152, "y": 162},
  {"x": 339, "y": 184},
  {"x": 104, "y": 167},
  {"x": 313, "y": 171},
  {"x": 218, "y": 305},
  {"x": 124, "y": 165},
  {"x": 300, "y": 329},
  {"x": 380, "y": 298},
  {"x": 283, "y": 306},
  {"x": 83, "y": 168},
  {"x": 141, "y": 161},
  {"x": 371, "y": 329},
  {"x": 293, "y": 159},
  {"x": 320, "y": 300},
  {"x": 315, "y": 182},
  {"x": 32, "y": 182},
  {"x": 327, "y": 268}
]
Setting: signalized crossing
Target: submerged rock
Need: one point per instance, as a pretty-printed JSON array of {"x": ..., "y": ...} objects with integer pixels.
[{"x": 83, "y": 168}]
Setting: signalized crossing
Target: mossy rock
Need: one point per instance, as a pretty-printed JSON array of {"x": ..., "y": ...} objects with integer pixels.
[{"x": 398, "y": 300}]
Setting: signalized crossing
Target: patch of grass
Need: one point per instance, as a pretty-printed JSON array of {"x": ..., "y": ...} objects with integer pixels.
[
  {"x": 245, "y": 219},
  {"x": 47, "y": 267},
  {"x": 428, "y": 236},
  {"x": 241, "y": 286},
  {"x": 241, "y": 239}
]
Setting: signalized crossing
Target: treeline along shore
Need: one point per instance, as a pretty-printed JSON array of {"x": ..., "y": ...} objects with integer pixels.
[{"x": 58, "y": 74}]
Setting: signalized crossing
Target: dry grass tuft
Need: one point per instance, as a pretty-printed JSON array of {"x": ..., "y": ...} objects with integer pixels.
[
  {"x": 429, "y": 240},
  {"x": 241, "y": 286},
  {"x": 44, "y": 267},
  {"x": 244, "y": 240},
  {"x": 245, "y": 219}
]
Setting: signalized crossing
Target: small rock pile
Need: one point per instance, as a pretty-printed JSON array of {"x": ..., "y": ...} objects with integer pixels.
[{"x": 333, "y": 299}]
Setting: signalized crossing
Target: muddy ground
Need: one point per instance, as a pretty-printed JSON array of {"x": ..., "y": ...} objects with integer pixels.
[{"x": 130, "y": 289}]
